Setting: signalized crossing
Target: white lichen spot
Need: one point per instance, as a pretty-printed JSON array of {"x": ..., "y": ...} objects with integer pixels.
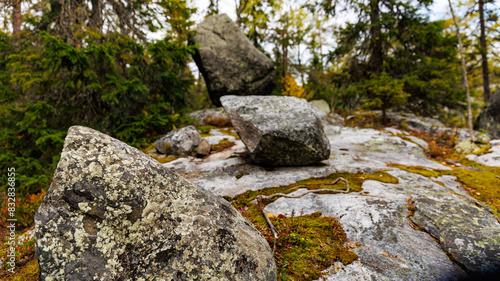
[
  {"x": 95, "y": 169},
  {"x": 84, "y": 206}
]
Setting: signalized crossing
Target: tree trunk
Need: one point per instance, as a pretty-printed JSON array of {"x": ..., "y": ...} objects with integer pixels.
[
  {"x": 16, "y": 16},
  {"x": 96, "y": 16},
  {"x": 375, "y": 62},
  {"x": 464, "y": 73},
  {"x": 484, "y": 53}
]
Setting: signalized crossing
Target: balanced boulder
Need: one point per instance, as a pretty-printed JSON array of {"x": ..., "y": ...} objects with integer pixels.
[
  {"x": 179, "y": 142},
  {"x": 114, "y": 213},
  {"x": 278, "y": 130},
  {"x": 489, "y": 119},
  {"x": 229, "y": 62}
]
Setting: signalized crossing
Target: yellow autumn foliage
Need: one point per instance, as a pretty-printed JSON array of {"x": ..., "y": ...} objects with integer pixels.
[{"x": 290, "y": 88}]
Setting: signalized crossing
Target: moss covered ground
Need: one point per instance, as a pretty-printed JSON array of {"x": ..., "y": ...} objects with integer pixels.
[{"x": 306, "y": 244}]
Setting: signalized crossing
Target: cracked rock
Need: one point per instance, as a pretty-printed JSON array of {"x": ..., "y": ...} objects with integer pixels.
[{"x": 114, "y": 213}]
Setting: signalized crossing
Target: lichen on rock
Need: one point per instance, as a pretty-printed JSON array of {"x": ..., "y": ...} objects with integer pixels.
[{"x": 114, "y": 213}]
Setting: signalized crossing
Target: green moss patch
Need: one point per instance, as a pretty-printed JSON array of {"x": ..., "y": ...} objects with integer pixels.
[
  {"x": 222, "y": 145},
  {"x": 355, "y": 182},
  {"x": 205, "y": 130},
  {"x": 229, "y": 132},
  {"x": 306, "y": 245},
  {"x": 480, "y": 181}
]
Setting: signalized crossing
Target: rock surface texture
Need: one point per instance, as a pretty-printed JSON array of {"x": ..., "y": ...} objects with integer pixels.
[
  {"x": 404, "y": 231},
  {"x": 489, "y": 159},
  {"x": 179, "y": 142},
  {"x": 114, "y": 213},
  {"x": 229, "y": 62},
  {"x": 489, "y": 119},
  {"x": 278, "y": 131}
]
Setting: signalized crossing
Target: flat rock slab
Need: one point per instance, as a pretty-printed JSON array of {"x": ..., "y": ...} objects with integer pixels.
[
  {"x": 390, "y": 245},
  {"x": 114, "y": 213},
  {"x": 491, "y": 159},
  {"x": 390, "y": 249},
  {"x": 354, "y": 150}
]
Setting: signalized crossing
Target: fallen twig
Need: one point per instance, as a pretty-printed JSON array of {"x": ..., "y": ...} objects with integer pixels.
[
  {"x": 270, "y": 224},
  {"x": 326, "y": 190}
]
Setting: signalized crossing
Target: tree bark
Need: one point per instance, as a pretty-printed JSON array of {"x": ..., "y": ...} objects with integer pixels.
[
  {"x": 17, "y": 19},
  {"x": 376, "y": 60},
  {"x": 464, "y": 73},
  {"x": 484, "y": 54},
  {"x": 96, "y": 16}
]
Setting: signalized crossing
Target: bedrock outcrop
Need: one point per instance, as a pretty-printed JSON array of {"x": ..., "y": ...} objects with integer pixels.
[
  {"x": 422, "y": 228},
  {"x": 114, "y": 213}
]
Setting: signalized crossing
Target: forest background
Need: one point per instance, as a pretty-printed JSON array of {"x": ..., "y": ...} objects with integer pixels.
[{"x": 124, "y": 67}]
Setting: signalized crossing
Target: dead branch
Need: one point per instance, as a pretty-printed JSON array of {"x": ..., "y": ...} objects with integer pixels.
[{"x": 326, "y": 190}]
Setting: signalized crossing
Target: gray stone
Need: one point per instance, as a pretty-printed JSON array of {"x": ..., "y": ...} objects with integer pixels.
[
  {"x": 277, "y": 130},
  {"x": 321, "y": 105},
  {"x": 114, "y": 213},
  {"x": 229, "y": 62},
  {"x": 179, "y": 142},
  {"x": 489, "y": 118},
  {"x": 204, "y": 148},
  {"x": 489, "y": 159},
  {"x": 210, "y": 116}
]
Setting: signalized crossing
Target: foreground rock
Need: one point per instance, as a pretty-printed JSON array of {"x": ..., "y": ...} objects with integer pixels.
[
  {"x": 179, "y": 142},
  {"x": 489, "y": 119},
  {"x": 278, "y": 131},
  {"x": 229, "y": 62},
  {"x": 113, "y": 213}
]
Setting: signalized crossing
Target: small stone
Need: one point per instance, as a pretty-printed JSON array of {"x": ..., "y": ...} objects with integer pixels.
[
  {"x": 179, "y": 142},
  {"x": 204, "y": 148},
  {"x": 322, "y": 105}
]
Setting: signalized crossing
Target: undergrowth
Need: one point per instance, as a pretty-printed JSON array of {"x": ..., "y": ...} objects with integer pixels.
[{"x": 26, "y": 264}]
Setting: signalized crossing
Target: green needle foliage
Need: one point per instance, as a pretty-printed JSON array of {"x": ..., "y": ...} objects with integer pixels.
[{"x": 126, "y": 89}]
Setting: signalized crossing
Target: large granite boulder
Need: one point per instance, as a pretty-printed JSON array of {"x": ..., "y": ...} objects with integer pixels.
[
  {"x": 114, "y": 213},
  {"x": 489, "y": 119},
  {"x": 179, "y": 142},
  {"x": 229, "y": 62},
  {"x": 278, "y": 131}
]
